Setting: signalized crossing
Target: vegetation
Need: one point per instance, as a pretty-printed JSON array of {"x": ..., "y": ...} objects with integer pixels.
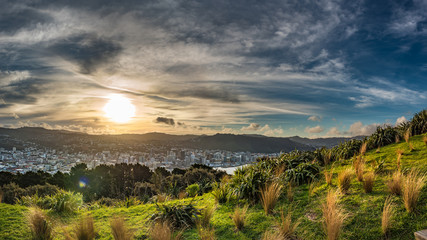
[
  {"x": 344, "y": 180},
  {"x": 239, "y": 217},
  {"x": 387, "y": 215},
  {"x": 368, "y": 182},
  {"x": 119, "y": 229},
  {"x": 269, "y": 196},
  {"x": 333, "y": 216},
  {"x": 413, "y": 183},
  {"x": 40, "y": 227}
]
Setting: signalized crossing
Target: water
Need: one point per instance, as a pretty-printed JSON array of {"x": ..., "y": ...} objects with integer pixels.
[{"x": 230, "y": 170}]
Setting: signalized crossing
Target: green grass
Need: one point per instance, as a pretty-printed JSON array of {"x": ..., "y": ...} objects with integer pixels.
[{"x": 364, "y": 221}]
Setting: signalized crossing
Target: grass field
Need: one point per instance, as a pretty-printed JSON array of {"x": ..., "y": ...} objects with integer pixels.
[{"x": 363, "y": 209}]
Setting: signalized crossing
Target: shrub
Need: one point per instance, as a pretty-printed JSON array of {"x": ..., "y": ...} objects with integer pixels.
[
  {"x": 222, "y": 192},
  {"x": 179, "y": 216},
  {"x": 399, "y": 157},
  {"x": 368, "y": 182},
  {"x": 418, "y": 124},
  {"x": 65, "y": 202},
  {"x": 394, "y": 185},
  {"x": 387, "y": 215},
  {"x": 193, "y": 189},
  {"x": 239, "y": 217},
  {"x": 85, "y": 229},
  {"x": 269, "y": 196},
  {"x": 182, "y": 195},
  {"x": 248, "y": 181},
  {"x": 344, "y": 180},
  {"x": 303, "y": 173},
  {"x": 413, "y": 183},
  {"x": 119, "y": 229},
  {"x": 286, "y": 228},
  {"x": 144, "y": 191},
  {"x": 382, "y": 136},
  {"x": 161, "y": 198},
  {"x": 204, "y": 178},
  {"x": 328, "y": 177},
  {"x": 12, "y": 192},
  {"x": 39, "y": 225},
  {"x": 333, "y": 216}
]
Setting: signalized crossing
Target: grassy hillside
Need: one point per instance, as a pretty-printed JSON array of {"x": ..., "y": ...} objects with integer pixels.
[{"x": 364, "y": 209}]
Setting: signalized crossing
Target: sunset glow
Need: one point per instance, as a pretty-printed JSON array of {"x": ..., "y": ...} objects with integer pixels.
[{"x": 119, "y": 109}]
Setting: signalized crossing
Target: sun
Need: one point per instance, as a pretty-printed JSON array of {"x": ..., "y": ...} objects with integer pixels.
[{"x": 119, "y": 109}]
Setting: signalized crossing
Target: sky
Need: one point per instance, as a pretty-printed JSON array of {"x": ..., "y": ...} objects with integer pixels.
[{"x": 279, "y": 68}]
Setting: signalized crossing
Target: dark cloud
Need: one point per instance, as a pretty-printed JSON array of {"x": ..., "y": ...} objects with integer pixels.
[
  {"x": 24, "y": 91},
  {"x": 12, "y": 21},
  {"x": 218, "y": 93},
  {"x": 87, "y": 50},
  {"x": 168, "y": 121}
]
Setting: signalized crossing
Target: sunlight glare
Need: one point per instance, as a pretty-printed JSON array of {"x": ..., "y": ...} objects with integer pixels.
[{"x": 119, "y": 109}]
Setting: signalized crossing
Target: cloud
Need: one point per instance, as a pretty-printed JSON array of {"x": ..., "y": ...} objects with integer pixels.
[
  {"x": 167, "y": 121},
  {"x": 314, "y": 118},
  {"x": 333, "y": 131},
  {"x": 359, "y": 129},
  {"x": 400, "y": 120},
  {"x": 251, "y": 127},
  {"x": 316, "y": 129}
]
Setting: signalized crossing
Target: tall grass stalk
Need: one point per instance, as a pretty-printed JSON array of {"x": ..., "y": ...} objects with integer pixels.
[
  {"x": 85, "y": 229},
  {"x": 363, "y": 148},
  {"x": 407, "y": 135},
  {"x": 387, "y": 215},
  {"x": 206, "y": 233},
  {"x": 333, "y": 216},
  {"x": 413, "y": 183},
  {"x": 39, "y": 225},
  {"x": 394, "y": 185},
  {"x": 359, "y": 167},
  {"x": 290, "y": 192},
  {"x": 119, "y": 229},
  {"x": 425, "y": 140},
  {"x": 328, "y": 177},
  {"x": 270, "y": 195},
  {"x": 163, "y": 231},
  {"x": 286, "y": 228},
  {"x": 344, "y": 180},
  {"x": 206, "y": 216},
  {"x": 239, "y": 217},
  {"x": 368, "y": 182}
]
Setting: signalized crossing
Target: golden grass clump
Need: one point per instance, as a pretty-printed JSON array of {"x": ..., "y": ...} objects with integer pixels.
[
  {"x": 333, "y": 216},
  {"x": 407, "y": 135},
  {"x": 397, "y": 139},
  {"x": 206, "y": 216},
  {"x": 399, "y": 157},
  {"x": 368, "y": 182},
  {"x": 269, "y": 196},
  {"x": 327, "y": 158},
  {"x": 359, "y": 167},
  {"x": 378, "y": 150},
  {"x": 328, "y": 177},
  {"x": 206, "y": 233},
  {"x": 290, "y": 192},
  {"x": 85, "y": 229},
  {"x": 239, "y": 217},
  {"x": 411, "y": 146},
  {"x": 119, "y": 229},
  {"x": 394, "y": 185},
  {"x": 425, "y": 140},
  {"x": 387, "y": 215},
  {"x": 363, "y": 148},
  {"x": 162, "y": 198},
  {"x": 413, "y": 182},
  {"x": 286, "y": 228},
  {"x": 271, "y": 235},
  {"x": 163, "y": 231},
  {"x": 182, "y": 195},
  {"x": 39, "y": 225},
  {"x": 344, "y": 180}
]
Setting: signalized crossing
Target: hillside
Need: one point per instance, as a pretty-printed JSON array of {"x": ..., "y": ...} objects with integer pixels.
[
  {"x": 363, "y": 209},
  {"x": 22, "y": 137}
]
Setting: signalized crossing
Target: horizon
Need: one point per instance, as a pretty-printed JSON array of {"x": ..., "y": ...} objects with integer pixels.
[{"x": 311, "y": 69}]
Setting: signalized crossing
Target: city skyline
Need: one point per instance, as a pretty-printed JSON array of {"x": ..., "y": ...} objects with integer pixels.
[{"x": 313, "y": 69}]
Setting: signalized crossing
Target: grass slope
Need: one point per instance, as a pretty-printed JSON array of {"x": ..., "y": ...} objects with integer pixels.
[{"x": 364, "y": 221}]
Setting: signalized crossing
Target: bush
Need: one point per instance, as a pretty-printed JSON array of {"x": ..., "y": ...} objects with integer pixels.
[
  {"x": 179, "y": 216},
  {"x": 144, "y": 191},
  {"x": 193, "y": 190},
  {"x": 163, "y": 231},
  {"x": 65, "y": 202},
  {"x": 12, "y": 192},
  {"x": 222, "y": 192},
  {"x": 202, "y": 177},
  {"x": 206, "y": 216}
]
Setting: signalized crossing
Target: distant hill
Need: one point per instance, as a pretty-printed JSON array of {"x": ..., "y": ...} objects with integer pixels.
[{"x": 250, "y": 143}]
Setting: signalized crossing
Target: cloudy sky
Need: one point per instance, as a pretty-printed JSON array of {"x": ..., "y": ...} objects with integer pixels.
[{"x": 278, "y": 68}]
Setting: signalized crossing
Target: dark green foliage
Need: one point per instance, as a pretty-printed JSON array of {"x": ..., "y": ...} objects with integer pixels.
[
  {"x": 222, "y": 191},
  {"x": 418, "y": 124},
  {"x": 383, "y": 136},
  {"x": 178, "y": 171},
  {"x": 303, "y": 173},
  {"x": 144, "y": 191},
  {"x": 346, "y": 150},
  {"x": 12, "y": 192},
  {"x": 193, "y": 190},
  {"x": 202, "y": 177},
  {"x": 179, "y": 216}
]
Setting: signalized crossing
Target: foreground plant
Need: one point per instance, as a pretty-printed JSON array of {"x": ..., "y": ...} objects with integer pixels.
[
  {"x": 119, "y": 229},
  {"x": 359, "y": 167},
  {"x": 412, "y": 186},
  {"x": 368, "y": 182},
  {"x": 163, "y": 231},
  {"x": 394, "y": 185},
  {"x": 269, "y": 196},
  {"x": 344, "y": 180},
  {"x": 39, "y": 225},
  {"x": 206, "y": 233},
  {"x": 239, "y": 217},
  {"x": 328, "y": 177},
  {"x": 387, "y": 215},
  {"x": 286, "y": 228},
  {"x": 206, "y": 216},
  {"x": 333, "y": 216},
  {"x": 85, "y": 229}
]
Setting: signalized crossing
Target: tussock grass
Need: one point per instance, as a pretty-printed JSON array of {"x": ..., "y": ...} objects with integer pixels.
[
  {"x": 290, "y": 192},
  {"x": 271, "y": 235},
  {"x": 161, "y": 198},
  {"x": 387, "y": 215},
  {"x": 399, "y": 157},
  {"x": 368, "y": 182},
  {"x": 333, "y": 216},
  {"x": 397, "y": 139},
  {"x": 407, "y": 135},
  {"x": 425, "y": 140},
  {"x": 359, "y": 167},
  {"x": 206, "y": 233},
  {"x": 394, "y": 185},
  {"x": 328, "y": 177},
  {"x": 163, "y": 231},
  {"x": 344, "y": 180},
  {"x": 39, "y": 225},
  {"x": 120, "y": 230},
  {"x": 286, "y": 228},
  {"x": 206, "y": 216},
  {"x": 363, "y": 148},
  {"x": 411, "y": 147},
  {"x": 85, "y": 229},
  {"x": 239, "y": 217},
  {"x": 182, "y": 195},
  {"x": 270, "y": 195},
  {"x": 413, "y": 182}
]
